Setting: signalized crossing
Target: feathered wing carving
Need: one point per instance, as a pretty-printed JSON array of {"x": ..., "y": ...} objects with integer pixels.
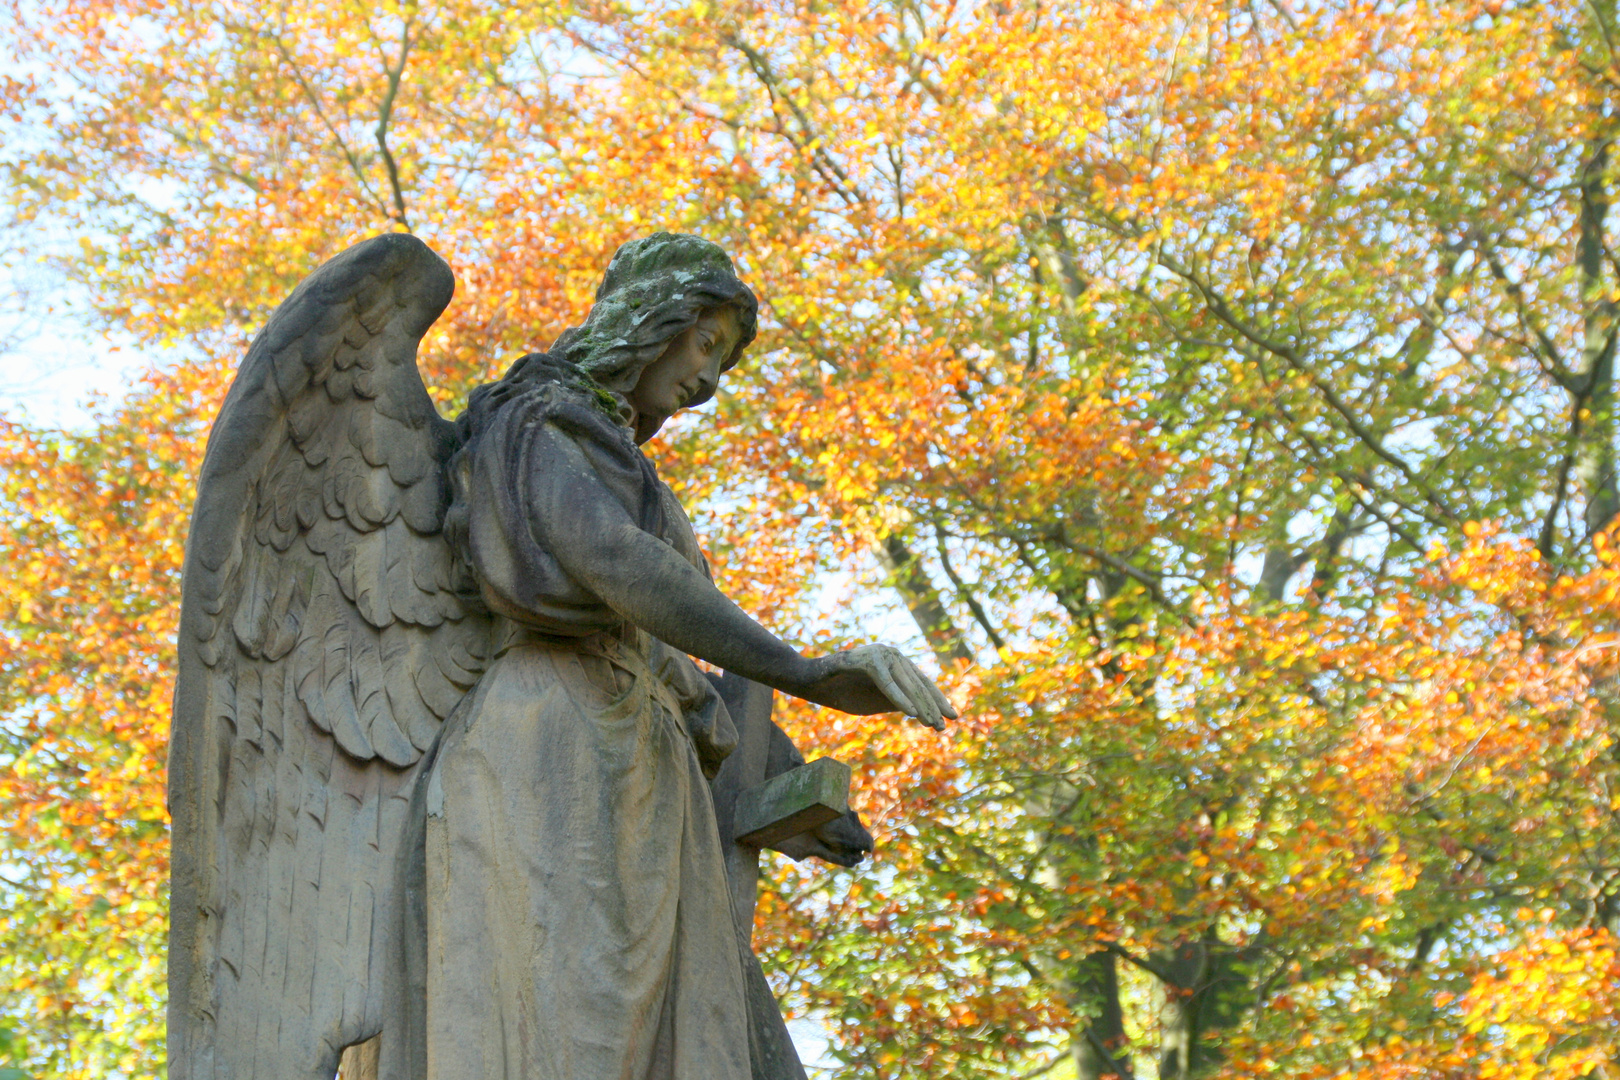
[{"x": 326, "y": 632}]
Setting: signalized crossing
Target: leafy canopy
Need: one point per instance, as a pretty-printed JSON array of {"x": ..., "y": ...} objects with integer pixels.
[{"x": 1226, "y": 391}]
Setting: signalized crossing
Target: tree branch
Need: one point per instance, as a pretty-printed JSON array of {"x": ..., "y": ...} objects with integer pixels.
[
  {"x": 907, "y": 575},
  {"x": 337, "y": 137},
  {"x": 395, "y": 73},
  {"x": 1290, "y": 356},
  {"x": 820, "y": 160},
  {"x": 967, "y": 596}
]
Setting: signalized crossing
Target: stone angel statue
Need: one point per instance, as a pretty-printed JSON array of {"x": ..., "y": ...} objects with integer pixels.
[{"x": 438, "y": 771}]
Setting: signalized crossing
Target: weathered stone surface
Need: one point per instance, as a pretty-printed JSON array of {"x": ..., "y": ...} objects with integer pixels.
[
  {"x": 441, "y": 756},
  {"x": 794, "y": 802}
]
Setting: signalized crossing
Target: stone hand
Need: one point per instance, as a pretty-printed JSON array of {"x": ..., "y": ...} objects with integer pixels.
[
  {"x": 876, "y": 679},
  {"x": 644, "y": 580}
]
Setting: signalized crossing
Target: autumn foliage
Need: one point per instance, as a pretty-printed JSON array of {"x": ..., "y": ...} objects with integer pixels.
[{"x": 1223, "y": 392}]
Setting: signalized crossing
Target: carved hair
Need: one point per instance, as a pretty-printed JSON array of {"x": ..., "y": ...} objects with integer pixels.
[{"x": 655, "y": 289}]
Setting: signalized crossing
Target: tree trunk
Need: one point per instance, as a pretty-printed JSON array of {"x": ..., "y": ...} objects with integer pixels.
[
  {"x": 1180, "y": 1005},
  {"x": 1098, "y": 1040},
  {"x": 1594, "y": 381},
  {"x": 910, "y": 579},
  {"x": 1595, "y": 465}
]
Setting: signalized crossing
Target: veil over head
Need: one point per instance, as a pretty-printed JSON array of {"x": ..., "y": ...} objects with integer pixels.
[{"x": 655, "y": 288}]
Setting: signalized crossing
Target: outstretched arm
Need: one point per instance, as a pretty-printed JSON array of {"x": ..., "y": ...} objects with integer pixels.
[{"x": 647, "y": 582}]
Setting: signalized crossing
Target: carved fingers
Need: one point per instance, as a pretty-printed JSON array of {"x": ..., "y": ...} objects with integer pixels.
[{"x": 906, "y": 688}]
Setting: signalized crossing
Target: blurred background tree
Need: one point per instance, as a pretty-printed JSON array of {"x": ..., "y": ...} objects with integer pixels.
[{"x": 1224, "y": 391}]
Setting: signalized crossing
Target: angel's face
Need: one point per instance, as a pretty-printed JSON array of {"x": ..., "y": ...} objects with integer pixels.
[{"x": 686, "y": 374}]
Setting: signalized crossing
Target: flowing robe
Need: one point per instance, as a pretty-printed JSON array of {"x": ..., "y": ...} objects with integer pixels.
[{"x": 577, "y": 917}]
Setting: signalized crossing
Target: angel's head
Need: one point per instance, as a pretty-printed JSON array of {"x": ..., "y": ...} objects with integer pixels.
[{"x": 670, "y": 318}]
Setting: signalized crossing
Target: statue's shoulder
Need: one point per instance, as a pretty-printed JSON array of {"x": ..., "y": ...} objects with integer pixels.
[{"x": 540, "y": 388}]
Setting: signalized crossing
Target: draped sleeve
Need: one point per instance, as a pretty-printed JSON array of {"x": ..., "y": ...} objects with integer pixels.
[{"x": 532, "y": 458}]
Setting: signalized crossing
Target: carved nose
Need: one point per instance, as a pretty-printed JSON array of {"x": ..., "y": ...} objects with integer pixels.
[{"x": 704, "y": 390}]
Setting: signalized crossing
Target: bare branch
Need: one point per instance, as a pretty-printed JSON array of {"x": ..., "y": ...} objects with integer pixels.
[
  {"x": 1290, "y": 356},
  {"x": 395, "y": 74},
  {"x": 820, "y": 160},
  {"x": 311, "y": 96},
  {"x": 967, "y": 596}
]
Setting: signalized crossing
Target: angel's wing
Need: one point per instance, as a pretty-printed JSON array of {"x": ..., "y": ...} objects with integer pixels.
[{"x": 326, "y": 632}]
